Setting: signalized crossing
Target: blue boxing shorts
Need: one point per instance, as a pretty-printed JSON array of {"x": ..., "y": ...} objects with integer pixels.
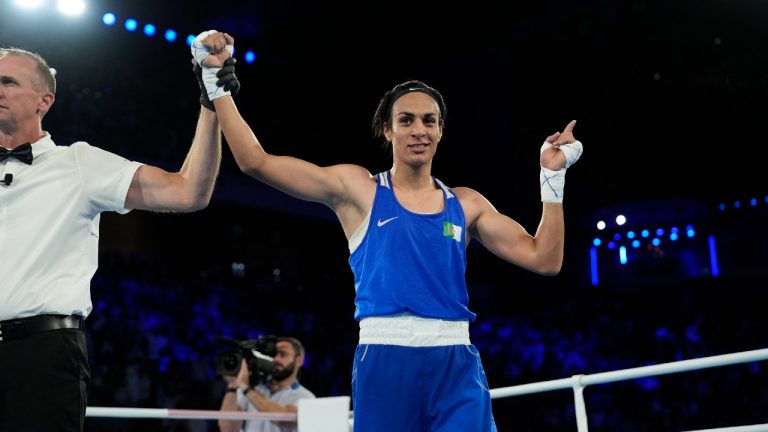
[{"x": 399, "y": 388}]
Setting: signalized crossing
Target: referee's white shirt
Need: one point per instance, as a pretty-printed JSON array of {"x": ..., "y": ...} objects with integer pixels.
[{"x": 49, "y": 226}]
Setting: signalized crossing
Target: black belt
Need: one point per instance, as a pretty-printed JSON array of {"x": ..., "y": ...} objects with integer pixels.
[{"x": 23, "y": 327}]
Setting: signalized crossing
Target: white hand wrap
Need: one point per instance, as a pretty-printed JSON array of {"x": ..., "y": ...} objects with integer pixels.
[
  {"x": 553, "y": 182},
  {"x": 200, "y": 52}
]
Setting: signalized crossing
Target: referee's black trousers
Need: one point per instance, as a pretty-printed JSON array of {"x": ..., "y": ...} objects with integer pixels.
[{"x": 43, "y": 382}]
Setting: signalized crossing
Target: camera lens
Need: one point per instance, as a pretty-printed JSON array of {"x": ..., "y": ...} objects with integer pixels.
[{"x": 228, "y": 362}]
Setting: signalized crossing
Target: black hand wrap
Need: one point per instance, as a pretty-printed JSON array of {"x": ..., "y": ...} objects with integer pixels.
[{"x": 227, "y": 79}]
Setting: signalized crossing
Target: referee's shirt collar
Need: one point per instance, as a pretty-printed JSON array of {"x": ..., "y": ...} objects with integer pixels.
[{"x": 42, "y": 145}]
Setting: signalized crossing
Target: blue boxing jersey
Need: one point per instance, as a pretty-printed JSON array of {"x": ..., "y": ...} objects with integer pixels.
[{"x": 406, "y": 262}]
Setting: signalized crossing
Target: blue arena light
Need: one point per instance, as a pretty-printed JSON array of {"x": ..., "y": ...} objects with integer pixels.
[
  {"x": 170, "y": 35},
  {"x": 689, "y": 231},
  {"x": 190, "y": 39},
  {"x": 623, "y": 255},
  {"x": 753, "y": 202},
  {"x": 713, "y": 265},
  {"x": 737, "y": 204},
  {"x": 593, "y": 266},
  {"x": 149, "y": 30},
  {"x": 659, "y": 231},
  {"x": 597, "y": 242},
  {"x": 109, "y": 19},
  {"x": 673, "y": 236},
  {"x": 655, "y": 242},
  {"x": 674, "y": 230},
  {"x": 131, "y": 24},
  {"x": 617, "y": 236},
  {"x": 250, "y": 56},
  {"x": 635, "y": 244},
  {"x": 630, "y": 235},
  {"x": 644, "y": 233},
  {"x": 721, "y": 207},
  {"x": 611, "y": 245}
]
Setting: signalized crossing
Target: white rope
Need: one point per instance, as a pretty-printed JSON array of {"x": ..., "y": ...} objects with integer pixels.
[
  {"x": 165, "y": 413},
  {"x": 753, "y": 428},
  {"x": 577, "y": 383},
  {"x": 633, "y": 373}
]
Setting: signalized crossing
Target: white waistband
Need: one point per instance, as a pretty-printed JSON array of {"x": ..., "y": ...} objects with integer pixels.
[{"x": 414, "y": 331}]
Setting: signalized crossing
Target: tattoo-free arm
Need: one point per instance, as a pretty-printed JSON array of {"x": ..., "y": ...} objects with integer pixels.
[{"x": 190, "y": 188}]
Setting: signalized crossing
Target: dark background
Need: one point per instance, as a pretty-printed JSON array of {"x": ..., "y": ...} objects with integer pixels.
[{"x": 670, "y": 99}]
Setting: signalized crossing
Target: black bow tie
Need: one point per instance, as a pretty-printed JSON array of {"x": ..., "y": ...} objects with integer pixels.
[{"x": 22, "y": 153}]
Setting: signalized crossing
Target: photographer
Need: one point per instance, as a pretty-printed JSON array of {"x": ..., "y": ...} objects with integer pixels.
[{"x": 277, "y": 392}]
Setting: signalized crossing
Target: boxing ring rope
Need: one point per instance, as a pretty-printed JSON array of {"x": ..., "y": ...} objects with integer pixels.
[
  {"x": 753, "y": 428},
  {"x": 576, "y": 382},
  {"x": 329, "y": 414},
  {"x": 165, "y": 413}
]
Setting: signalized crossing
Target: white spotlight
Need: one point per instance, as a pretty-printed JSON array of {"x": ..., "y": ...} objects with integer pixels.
[
  {"x": 71, "y": 7},
  {"x": 621, "y": 220},
  {"x": 29, "y": 4},
  {"x": 601, "y": 225}
]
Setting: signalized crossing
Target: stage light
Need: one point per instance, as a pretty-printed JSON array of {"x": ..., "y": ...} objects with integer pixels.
[
  {"x": 721, "y": 207},
  {"x": 71, "y": 7},
  {"x": 673, "y": 236},
  {"x": 131, "y": 24},
  {"x": 621, "y": 219},
  {"x": 737, "y": 204},
  {"x": 623, "y": 255},
  {"x": 149, "y": 30},
  {"x": 593, "y": 266},
  {"x": 630, "y": 235},
  {"x": 635, "y": 244},
  {"x": 238, "y": 269},
  {"x": 29, "y": 4},
  {"x": 659, "y": 231},
  {"x": 170, "y": 35},
  {"x": 601, "y": 225},
  {"x": 655, "y": 242},
  {"x": 713, "y": 265},
  {"x": 109, "y": 19},
  {"x": 753, "y": 202},
  {"x": 644, "y": 233},
  {"x": 597, "y": 242}
]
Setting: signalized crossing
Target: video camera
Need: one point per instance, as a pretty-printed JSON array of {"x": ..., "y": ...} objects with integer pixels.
[{"x": 258, "y": 353}]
